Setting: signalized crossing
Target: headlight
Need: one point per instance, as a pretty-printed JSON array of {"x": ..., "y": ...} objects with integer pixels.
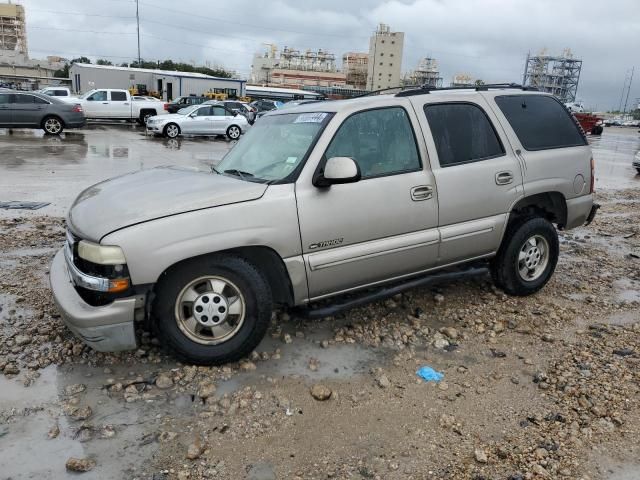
[{"x": 101, "y": 254}]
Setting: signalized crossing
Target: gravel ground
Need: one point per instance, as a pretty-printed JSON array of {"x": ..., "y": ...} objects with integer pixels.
[{"x": 539, "y": 387}]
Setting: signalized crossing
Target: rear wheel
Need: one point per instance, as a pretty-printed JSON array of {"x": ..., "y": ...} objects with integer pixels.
[
  {"x": 52, "y": 125},
  {"x": 234, "y": 132},
  {"x": 527, "y": 257},
  {"x": 213, "y": 311},
  {"x": 145, "y": 115},
  {"x": 171, "y": 130},
  {"x": 638, "y": 169}
]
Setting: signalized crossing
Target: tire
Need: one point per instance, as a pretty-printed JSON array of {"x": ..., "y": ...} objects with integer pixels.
[
  {"x": 52, "y": 125},
  {"x": 234, "y": 132},
  {"x": 597, "y": 130},
  {"x": 171, "y": 130},
  {"x": 144, "y": 115},
  {"x": 527, "y": 257},
  {"x": 182, "y": 290},
  {"x": 638, "y": 170}
]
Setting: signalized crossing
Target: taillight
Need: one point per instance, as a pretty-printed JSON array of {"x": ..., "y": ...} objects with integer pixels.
[
  {"x": 166, "y": 106},
  {"x": 77, "y": 108},
  {"x": 593, "y": 176}
]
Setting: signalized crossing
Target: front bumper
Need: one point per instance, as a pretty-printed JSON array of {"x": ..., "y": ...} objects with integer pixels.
[
  {"x": 155, "y": 127},
  {"x": 107, "y": 328}
]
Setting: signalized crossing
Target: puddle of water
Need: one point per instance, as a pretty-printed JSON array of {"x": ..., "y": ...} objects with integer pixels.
[
  {"x": 623, "y": 318},
  {"x": 27, "y": 452},
  {"x": 627, "y": 290}
]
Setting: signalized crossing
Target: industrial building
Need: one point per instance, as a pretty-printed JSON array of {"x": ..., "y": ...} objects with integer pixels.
[
  {"x": 355, "y": 66},
  {"x": 385, "y": 58},
  {"x": 293, "y": 68},
  {"x": 16, "y": 68},
  {"x": 558, "y": 75},
  {"x": 462, "y": 80},
  {"x": 168, "y": 84},
  {"x": 425, "y": 74}
]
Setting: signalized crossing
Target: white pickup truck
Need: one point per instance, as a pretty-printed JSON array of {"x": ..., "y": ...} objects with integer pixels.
[{"x": 107, "y": 103}]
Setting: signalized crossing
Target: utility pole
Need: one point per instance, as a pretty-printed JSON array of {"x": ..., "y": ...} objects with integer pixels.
[
  {"x": 138, "y": 24},
  {"x": 628, "y": 90}
]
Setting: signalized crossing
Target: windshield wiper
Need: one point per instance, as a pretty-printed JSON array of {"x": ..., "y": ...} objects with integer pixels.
[
  {"x": 238, "y": 173},
  {"x": 213, "y": 169}
]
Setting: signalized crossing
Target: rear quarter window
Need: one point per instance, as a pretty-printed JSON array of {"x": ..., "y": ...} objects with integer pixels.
[{"x": 540, "y": 122}]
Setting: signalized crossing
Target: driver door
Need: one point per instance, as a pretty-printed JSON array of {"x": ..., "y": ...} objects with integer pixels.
[
  {"x": 97, "y": 105},
  {"x": 381, "y": 227},
  {"x": 197, "y": 121}
]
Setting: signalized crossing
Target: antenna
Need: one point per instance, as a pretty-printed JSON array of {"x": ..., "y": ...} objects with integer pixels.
[{"x": 138, "y": 25}]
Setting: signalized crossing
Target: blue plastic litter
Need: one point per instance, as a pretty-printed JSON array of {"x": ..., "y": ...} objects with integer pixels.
[{"x": 429, "y": 374}]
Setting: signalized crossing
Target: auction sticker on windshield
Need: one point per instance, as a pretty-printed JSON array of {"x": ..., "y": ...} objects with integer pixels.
[{"x": 317, "y": 117}]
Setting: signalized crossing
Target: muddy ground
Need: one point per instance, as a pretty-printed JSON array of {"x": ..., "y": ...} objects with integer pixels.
[{"x": 541, "y": 387}]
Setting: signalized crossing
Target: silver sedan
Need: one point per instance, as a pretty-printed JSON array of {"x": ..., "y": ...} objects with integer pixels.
[{"x": 199, "y": 120}]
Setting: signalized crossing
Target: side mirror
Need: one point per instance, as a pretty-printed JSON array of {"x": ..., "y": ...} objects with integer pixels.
[
  {"x": 193, "y": 114},
  {"x": 338, "y": 170}
]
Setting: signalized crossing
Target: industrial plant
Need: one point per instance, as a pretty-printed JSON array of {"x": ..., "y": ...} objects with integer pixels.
[{"x": 558, "y": 75}]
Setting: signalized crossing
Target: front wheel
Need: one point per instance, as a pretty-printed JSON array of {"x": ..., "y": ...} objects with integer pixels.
[
  {"x": 214, "y": 310},
  {"x": 234, "y": 132},
  {"x": 527, "y": 257},
  {"x": 171, "y": 130},
  {"x": 52, "y": 125}
]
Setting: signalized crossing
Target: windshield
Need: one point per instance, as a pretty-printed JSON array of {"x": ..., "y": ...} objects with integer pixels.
[
  {"x": 86, "y": 95},
  {"x": 274, "y": 147},
  {"x": 188, "y": 110}
]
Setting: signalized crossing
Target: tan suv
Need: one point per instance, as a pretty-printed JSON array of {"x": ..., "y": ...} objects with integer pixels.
[{"x": 369, "y": 195}]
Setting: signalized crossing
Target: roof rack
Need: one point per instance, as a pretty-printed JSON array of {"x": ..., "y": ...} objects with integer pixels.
[
  {"x": 378, "y": 92},
  {"x": 478, "y": 88}
]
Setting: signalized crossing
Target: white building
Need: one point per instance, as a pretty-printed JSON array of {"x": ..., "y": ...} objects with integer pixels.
[
  {"x": 385, "y": 58},
  {"x": 169, "y": 84}
]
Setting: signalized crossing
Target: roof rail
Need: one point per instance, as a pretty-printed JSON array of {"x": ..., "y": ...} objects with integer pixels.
[
  {"x": 478, "y": 88},
  {"x": 378, "y": 92}
]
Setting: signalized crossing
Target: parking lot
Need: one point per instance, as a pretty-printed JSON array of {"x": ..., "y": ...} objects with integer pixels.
[{"x": 546, "y": 386}]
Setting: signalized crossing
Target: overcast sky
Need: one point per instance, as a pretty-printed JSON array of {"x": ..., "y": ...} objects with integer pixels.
[{"x": 488, "y": 39}]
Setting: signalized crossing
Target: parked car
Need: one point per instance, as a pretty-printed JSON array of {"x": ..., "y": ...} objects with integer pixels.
[
  {"x": 199, "y": 120},
  {"x": 57, "y": 92},
  {"x": 636, "y": 162},
  {"x": 265, "y": 106},
  {"x": 182, "y": 102},
  {"x": 114, "y": 104},
  {"x": 36, "y": 110},
  {"x": 237, "y": 106},
  {"x": 366, "y": 196}
]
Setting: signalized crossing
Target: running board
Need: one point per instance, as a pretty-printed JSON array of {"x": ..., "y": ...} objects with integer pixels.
[{"x": 386, "y": 292}]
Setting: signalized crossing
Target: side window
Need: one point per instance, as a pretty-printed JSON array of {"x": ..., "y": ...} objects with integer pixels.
[
  {"x": 99, "y": 96},
  {"x": 462, "y": 133},
  {"x": 118, "y": 96},
  {"x": 60, "y": 93},
  {"x": 22, "y": 99},
  {"x": 5, "y": 98},
  {"x": 381, "y": 141},
  {"x": 40, "y": 100},
  {"x": 204, "y": 112},
  {"x": 219, "y": 112},
  {"x": 540, "y": 122}
]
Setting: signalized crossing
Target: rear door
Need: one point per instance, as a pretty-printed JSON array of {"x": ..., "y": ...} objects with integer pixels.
[
  {"x": 27, "y": 110},
  {"x": 477, "y": 174},
  {"x": 220, "y": 119},
  {"x": 119, "y": 106},
  {"x": 5, "y": 109}
]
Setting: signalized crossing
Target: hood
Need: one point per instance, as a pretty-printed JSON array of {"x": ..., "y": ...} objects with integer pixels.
[
  {"x": 168, "y": 116},
  {"x": 149, "y": 194}
]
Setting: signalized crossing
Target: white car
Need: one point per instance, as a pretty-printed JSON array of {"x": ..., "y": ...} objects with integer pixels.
[{"x": 199, "y": 120}]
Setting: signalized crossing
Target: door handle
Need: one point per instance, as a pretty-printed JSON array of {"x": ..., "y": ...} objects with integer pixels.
[
  {"x": 504, "y": 178},
  {"x": 126, "y": 103},
  {"x": 421, "y": 192},
  {"x": 105, "y": 103}
]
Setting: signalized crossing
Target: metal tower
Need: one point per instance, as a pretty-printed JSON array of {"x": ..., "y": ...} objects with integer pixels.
[{"x": 558, "y": 75}]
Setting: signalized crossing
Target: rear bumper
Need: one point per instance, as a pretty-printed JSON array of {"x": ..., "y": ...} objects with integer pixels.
[
  {"x": 580, "y": 210},
  {"x": 77, "y": 121},
  {"x": 107, "y": 328}
]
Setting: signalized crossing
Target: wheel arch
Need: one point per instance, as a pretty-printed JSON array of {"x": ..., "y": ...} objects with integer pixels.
[
  {"x": 549, "y": 205},
  {"x": 265, "y": 259}
]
